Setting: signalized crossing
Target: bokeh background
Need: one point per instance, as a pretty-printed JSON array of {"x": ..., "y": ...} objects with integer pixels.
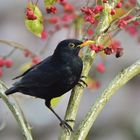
[{"x": 119, "y": 120}]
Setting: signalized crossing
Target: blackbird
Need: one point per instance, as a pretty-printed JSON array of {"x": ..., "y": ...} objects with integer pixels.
[{"x": 54, "y": 76}]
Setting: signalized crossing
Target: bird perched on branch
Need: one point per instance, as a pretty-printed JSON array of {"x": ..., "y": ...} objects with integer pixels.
[{"x": 54, "y": 76}]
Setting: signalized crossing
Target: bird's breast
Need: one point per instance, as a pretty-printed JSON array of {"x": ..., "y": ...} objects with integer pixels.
[{"x": 72, "y": 71}]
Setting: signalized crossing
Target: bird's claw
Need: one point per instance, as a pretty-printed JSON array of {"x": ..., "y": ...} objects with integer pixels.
[
  {"x": 83, "y": 77},
  {"x": 70, "y": 120},
  {"x": 82, "y": 82},
  {"x": 66, "y": 126}
]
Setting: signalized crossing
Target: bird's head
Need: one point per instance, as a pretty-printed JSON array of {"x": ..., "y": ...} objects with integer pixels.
[{"x": 71, "y": 46}]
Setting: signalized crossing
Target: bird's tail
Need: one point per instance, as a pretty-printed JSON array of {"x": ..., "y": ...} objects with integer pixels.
[{"x": 11, "y": 90}]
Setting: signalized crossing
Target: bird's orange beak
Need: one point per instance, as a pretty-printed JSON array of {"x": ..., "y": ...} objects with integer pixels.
[{"x": 87, "y": 43}]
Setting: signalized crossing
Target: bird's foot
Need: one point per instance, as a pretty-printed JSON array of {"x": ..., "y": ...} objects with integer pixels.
[
  {"x": 64, "y": 124},
  {"x": 82, "y": 82},
  {"x": 82, "y": 76},
  {"x": 70, "y": 120}
]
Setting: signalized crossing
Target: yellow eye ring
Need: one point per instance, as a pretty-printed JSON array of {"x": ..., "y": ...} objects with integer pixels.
[{"x": 71, "y": 45}]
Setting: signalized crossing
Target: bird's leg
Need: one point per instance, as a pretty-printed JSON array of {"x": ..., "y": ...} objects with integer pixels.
[
  {"x": 82, "y": 82},
  {"x": 63, "y": 123}
]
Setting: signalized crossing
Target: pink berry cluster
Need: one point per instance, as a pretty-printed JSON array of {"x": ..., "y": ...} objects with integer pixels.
[
  {"x": 66, "y": 6},
  {"x": 5, "y": 62},
  {"x": 91, "y": 12},
  {"x": 94, "y": 84},
  {"x": 62, "y": 21},
  {"x": 58, "y": 21},
  {"x": 51, "y": 9},
  {"x": 30, "y": 14},
  {"x": 35, "y": 59},
  {"x": 133, "y": 28},
  {"x": 114, "y": 47},
  {"x": 118, "y": 5}
]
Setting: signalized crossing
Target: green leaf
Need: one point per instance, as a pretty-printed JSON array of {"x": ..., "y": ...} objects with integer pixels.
[
  {"x": 49, "y": 3},
  {"x": 35, "y": 26},
  {"x": 55, "y": 101}
]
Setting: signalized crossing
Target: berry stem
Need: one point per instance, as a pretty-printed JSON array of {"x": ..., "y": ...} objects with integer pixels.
[
  {"x": 16, "y": 45},
  {"x": 10, "y": 53}
]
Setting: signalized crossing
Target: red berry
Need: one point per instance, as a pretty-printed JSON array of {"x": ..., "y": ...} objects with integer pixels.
[
  {"x": 90, "y": 32},
  {"x": 98, "y": 84},
  {"x": 53, "y": 20},
  {"x": 113, "y": 12},
  {"x": 133, "y": 2},
  {"x": 132, "y": 30},
  {"x": 1, "y": 72},
  {"x": 128, "y": 17},
  {"x": 100, "y": 47},
  {"x": 115, "y": 45},
  {"x": 90, "y": 19},
  {"x": 94, "y": 47},
  {"x": 65, "y": 18},
  {"x": 62, "y": 2},
  {"x": 2, "y": 62},
  {"x": 8, "y": 62},
  {"x": 35, "y": 60},
  {"x": 119, "y": 5},
  {"x": 51, "y": 9},
  {"x": 100, "y": 68},
  {"x": 119, "y": 52},
  {"x": 127, "y": 5},
  {"x": 105, "y": 1},
  {"x": 57, "y": 27},
  {"x": 97, "y": 48},
  {"x": 43, "y": 35},
  {"x": 108, "y": 51},
  {"x": 98, "y": 8},
  {"x": 27, "y": 53},
  {"x": 122, "y": 23},
  {"x": 87, "y": 10},
  {"x": 30, "y": 14},
  {"x": 68, "y": 7},
  {"x": 136, "y": 23}
]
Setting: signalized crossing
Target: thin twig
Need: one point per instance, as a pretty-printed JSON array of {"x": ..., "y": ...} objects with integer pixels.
[
  {"x": 108, "y": 29},
  {"x": 16, "y": 45},
  {"x": 22, "y": 114},
  {"x": 26, "y": 132},
  {"x": 10, "y": 53}
]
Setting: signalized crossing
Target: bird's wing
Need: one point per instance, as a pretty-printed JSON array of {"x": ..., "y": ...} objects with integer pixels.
[
  {"x": 44, "y": 75},
  {"x": 21, "y": 75}
]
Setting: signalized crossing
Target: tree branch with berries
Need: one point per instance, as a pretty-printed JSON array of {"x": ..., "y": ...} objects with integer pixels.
[{"x": 106, "y": 11}]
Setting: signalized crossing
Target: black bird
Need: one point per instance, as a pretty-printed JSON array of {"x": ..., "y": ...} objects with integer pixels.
[{"x": 54, "y": 76}]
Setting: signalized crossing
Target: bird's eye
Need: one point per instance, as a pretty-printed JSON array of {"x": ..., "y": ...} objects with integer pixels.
[{"x": 71, "y": 45}]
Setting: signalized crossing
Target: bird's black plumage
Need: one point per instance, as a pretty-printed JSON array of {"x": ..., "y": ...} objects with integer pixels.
[{"x": 54, "y": 76}]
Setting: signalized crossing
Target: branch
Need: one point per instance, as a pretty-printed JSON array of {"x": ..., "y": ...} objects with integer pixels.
[
  {"x": 121, "y": 79},
  {"x": 16, "y": 45},
  {"x": 15, "y": 112},
  {"x": 76, "y": 95},
  {"x": 87, "y": 60}
]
